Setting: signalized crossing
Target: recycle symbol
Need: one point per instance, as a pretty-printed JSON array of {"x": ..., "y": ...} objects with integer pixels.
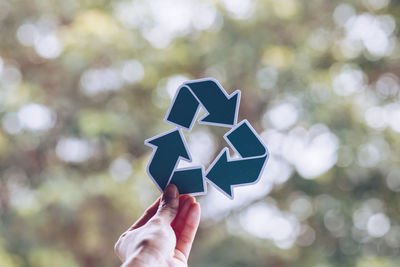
[{"x": 224, "y": 172}]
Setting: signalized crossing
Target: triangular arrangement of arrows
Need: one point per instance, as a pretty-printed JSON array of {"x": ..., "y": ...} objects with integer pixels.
[{"x": 224, "y": 173}]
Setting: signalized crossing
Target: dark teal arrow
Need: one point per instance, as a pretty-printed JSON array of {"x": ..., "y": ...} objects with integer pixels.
[
  {"x": 221, "y": 108},
  {"x": 225, "y": 173},
  {"x": 168, "y": 149}
]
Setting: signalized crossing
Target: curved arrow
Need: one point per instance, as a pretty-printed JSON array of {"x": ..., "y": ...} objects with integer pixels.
[
  {"x": 225, "y": 173},
  {"x": 169, "y": 148},
  {"x": 222, "y": 109}
]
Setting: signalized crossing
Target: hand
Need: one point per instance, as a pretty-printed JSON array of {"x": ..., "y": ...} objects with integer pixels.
[{"x": 163, "y": 236}]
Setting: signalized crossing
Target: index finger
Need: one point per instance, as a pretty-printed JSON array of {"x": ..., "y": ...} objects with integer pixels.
[{"x": 147, "y": 215}]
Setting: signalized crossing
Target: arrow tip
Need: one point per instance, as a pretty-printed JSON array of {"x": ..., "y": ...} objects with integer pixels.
[
  {"x": 217, "y": 176},
  {"x": 228, "y": 116},
  {"x": 172, "y": 141}
]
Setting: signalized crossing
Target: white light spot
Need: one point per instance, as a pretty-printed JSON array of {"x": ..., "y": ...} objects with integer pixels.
[
  {"x": 319, "y": 40},
  {"x": 48, "y": 46},
  {"x": 266, "y": 221},
  {"x": 360, "y": 217},
  {"x": 312, "y": 154},
  {"x": 120, "y": 169},
  {"x": 132, "y": 71},
  {"x": 278, "y": 171},
  {"x": 161, "y": 21},
  {"x": 342, "y": 13},
  {"x": 173, "y": 83},
  {"x": 283, "y": 116},
  {"x": 36, "y": 117},
  {"x": 371, "y": 31},
  {"x": 22, "y": 198},
  {"x": 239, "y": 9},
  {"x": 274, "y": 140},
  {"x": 387, "y": 24},
  {"x": 96, "y": 81},
  {"x": 202, "y": 148},
  {"x": 351, "y": 48},
  {"x": 267, "y": 77},
  {"x": 349, "y": 81},
  {"x": 11, "y": 124},
  {"x": 378, "y": 225},
  {"x": 376, "y": 117},
  {"x": 393, "y": 180},
  {"x": 205, "y": 16},
  {"x": 73, "y": 150},
  {"x": 27, "y": 34},
  {"x": 10, "y": 77},
  {"x": 368, "y": 155},
  {"x": 302, "y": 208},
  {"x": 377, "y": 4},
  {"x": 394, "y": 114},
  {"x": 388, "y": 85}
]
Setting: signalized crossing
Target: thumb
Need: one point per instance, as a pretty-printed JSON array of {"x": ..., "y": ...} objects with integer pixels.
[{"x": 169, "y": 204}]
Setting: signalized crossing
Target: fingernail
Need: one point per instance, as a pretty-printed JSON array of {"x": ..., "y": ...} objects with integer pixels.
[{"x": 171, "y": 191}]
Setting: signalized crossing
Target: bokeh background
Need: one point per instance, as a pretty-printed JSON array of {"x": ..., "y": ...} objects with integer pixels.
[{"x": 84, "y": 83}]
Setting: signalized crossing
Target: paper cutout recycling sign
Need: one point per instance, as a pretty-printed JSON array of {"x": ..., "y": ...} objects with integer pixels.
[{"x": 221, "y": 110}]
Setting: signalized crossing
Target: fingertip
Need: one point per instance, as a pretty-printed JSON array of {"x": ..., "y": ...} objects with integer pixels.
[
  {"x": 184, "y": 209},
  {"x": 182, "y": 199},
  {"x": 197, "y": 207},
  {"x": 185, "y": 200},
  {"x": 194, "y": 211},
  {"x": 171, "y": 192},
  {"x": 182, "y": 196},
  {"x": 169, "y": 203}
]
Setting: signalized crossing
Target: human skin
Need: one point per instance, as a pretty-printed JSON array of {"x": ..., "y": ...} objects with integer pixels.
[{"x": 163, "y": 235}]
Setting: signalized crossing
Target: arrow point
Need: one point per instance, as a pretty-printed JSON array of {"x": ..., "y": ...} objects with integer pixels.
[
  {"x": 228, "y": 116},
  {"x": 217, "y": 174},
  {"x": 172, "y": 141},
  {"x": 223, "y": 159}
]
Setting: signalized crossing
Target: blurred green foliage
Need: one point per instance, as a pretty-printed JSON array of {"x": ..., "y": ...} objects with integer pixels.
[{"x": 84, "y": 83}]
